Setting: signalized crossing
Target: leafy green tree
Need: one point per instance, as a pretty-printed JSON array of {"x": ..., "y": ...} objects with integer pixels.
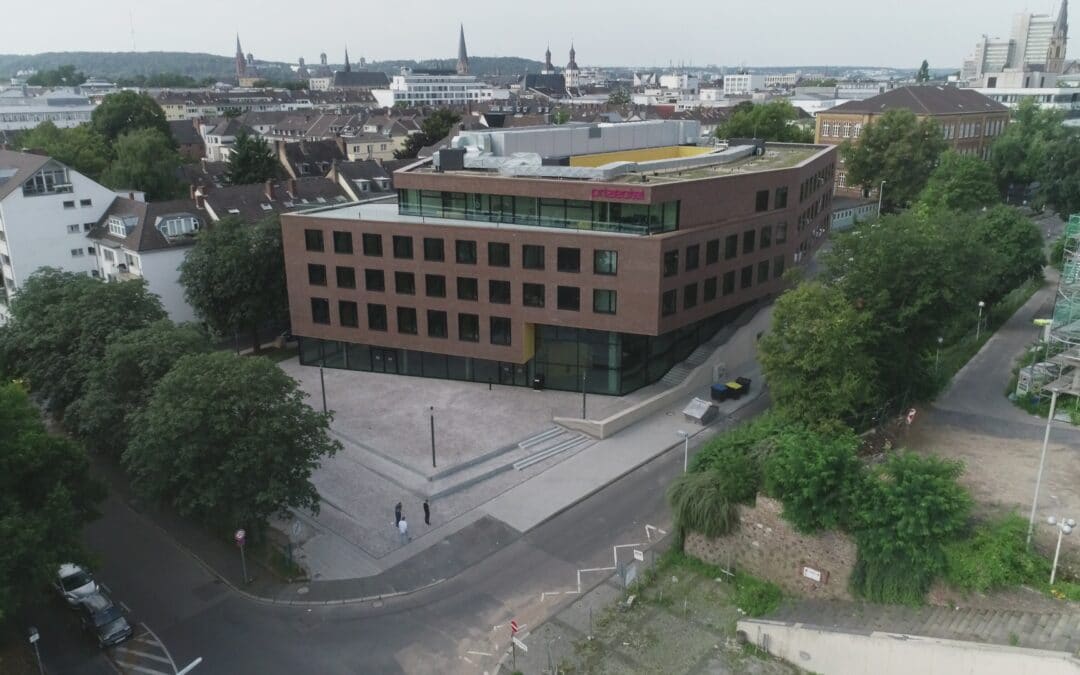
[
  {"x": 924, "y": 72},
  {"x": 907, "y": 515},
  {"x": 1020, "y": 154},
  {"x": 120, "y": 382},
  {"x": 560, "y": 116},
  {"x": 234, "y": 277},
  {"x": 46, "y": 496},
  {"x": 1015, "y": 245},
  {"x": 60, "y": 324},
  {"x": 434, "y": 128},
  {"x": 63, "y": 76},
  {"x": 145, "y": 160},
  {"x": 619, "y": 97},
  {"x": 817, "y": 477},
  {"x": 818, "y": 357},
  {"x": 243, "y": 449},
  {"x": 959, "y": 183},
  {"x": 128, "y": 111},
  {"x": 897, "y": 148},
  {"x": 80, "y": 148},
  {"x": 1061, "y": 174},
  {"x": 251, "y": 160},
  {"x": 771, "y": 121}
]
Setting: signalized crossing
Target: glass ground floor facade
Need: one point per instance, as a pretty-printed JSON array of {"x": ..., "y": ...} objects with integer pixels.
[{"x": 565, "y": 359}]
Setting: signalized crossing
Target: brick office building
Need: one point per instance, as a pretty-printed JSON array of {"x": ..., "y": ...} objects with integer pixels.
[
  {"x": 968, "y": 120},
  {"x": 598, "y": 253}
]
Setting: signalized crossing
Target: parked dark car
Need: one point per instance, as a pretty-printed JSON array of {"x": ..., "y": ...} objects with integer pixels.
[
  {"x": 104, "y": 618},
  {"x": 732, "y": 390}
]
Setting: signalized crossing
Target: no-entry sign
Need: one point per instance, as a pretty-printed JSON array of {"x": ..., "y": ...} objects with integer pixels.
[
  {"x": 513, "y": 628},
  {"x": 239, "y": 537}
]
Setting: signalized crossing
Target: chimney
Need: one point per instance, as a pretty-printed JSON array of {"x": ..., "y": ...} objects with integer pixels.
[
  {"x": 199, "y": 199},
  {"x": 291, "y": 187},
  {"x": 268, "y": 190}
]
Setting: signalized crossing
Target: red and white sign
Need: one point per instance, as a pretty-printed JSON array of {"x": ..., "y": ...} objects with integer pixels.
[
  {"x": 239, "y": 537},
  {"x": 513, "y": 628},
  {"x": 911, "y": 416}
]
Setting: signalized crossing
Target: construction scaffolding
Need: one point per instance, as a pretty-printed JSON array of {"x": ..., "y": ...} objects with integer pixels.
[{"x": 1065, "y": 329}]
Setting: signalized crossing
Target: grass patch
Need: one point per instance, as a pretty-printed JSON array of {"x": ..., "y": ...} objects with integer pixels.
[
  {"x": 756, "y": 597},
  {"x": 279, "y": 354},
  {"x": 994, "y": 557}
]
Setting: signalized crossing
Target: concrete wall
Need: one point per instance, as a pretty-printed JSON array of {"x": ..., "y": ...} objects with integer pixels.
[
  {"x": 871, "y": 653},
  {"x": 161, "y": 269},
  {"x": 767, "y": 544}
]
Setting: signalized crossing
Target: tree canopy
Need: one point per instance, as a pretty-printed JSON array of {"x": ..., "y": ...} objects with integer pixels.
[
  {"x": 251, "y": 160},
  {"x": 1061, "y": 179},
  {"x": 80, "y": 147},
  {"x": 46, "y": 496},
  {"x": 127, "y": 111},
  {"x": 896, "y": 148},
  {"x": 434, "y": 128},
  {"x": 959, "y": 183},
  {"x": 923, "y": 74},
  {"x": 234, "y": 276},
  {"x": 61, "y": 76},
  {"x": 146, "y": 160},
  {"x": 770, "y": 121},
  {"x": 243, "y": 449},
  {"x": 1021, "y": 153}
]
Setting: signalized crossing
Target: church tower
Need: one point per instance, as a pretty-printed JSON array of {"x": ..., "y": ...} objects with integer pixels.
[
  {"x": 241, "y": 62},
  {"x": 348, "y": 66},
  {"x": 462, "y": 55},
  {"x": 572, "y": 74},
  {"x": 1055, "y": 55},
  {"x": 549, "y": 68}
]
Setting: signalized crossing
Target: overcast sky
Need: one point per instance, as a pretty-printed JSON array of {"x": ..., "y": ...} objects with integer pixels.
[{"x": 632, "y": 32}]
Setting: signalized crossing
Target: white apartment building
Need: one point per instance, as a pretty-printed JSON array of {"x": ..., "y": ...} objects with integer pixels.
[
  {"x": 433, "y": 89},
  {"x": 781, "y": 80},
  {"x": 1065, "y": 99},
  {"x": 741, "y": 84},
  {"x": 20, "y": 109},
  {"x": 46, "y": 209}
]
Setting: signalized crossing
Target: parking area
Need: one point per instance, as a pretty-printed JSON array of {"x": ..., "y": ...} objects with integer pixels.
[{"x": 144, "y": 653}]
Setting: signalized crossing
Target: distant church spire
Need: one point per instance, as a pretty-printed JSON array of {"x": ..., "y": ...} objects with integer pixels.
[
  {"x": 548, "y": 67},
  {"x": 241, "y": 62},
  {"x": 1055, "y": 55},
  {"x": 573, "y": 58},
  {"x": 348, "y": 66},
  {"x": 462, "y": 55}
]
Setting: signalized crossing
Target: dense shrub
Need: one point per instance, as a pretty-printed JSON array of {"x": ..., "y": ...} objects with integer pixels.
[
  {"x": 755, "y": 440},
  {"x": 701, "y": 502},
  {"x": 816, "y": 477},
  {"x": 996, "y": 556}
]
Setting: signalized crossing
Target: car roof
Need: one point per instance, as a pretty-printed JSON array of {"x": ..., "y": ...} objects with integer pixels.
[
  {"x": 97, "y": 601},
  {"x": 67, "y": 569}
]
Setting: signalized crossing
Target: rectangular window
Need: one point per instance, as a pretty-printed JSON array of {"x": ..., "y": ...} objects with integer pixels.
[
  {"x": 709, "y": 291},
  {"x": 498, "y": 254},
  {"x": 313, "y": 240},
  {"x": 468, "y": 327},
  {"x": 603, "y": 301},
  {"x": 569, "y": 298},
  {"x": 346, "y": 277},
  {"x": 85, "y": 202},
  {"x": 747, "y": 277},
  {"x": 568, "y": 259},
  {"x": 693, "y": 255},
  {"x": 712, "y": 251},
  {"x": 532, "y": 257},
  {"x": 347, "y": 314},
  {"x": 605, "y": 262},
  {"x": 436, "y": 323},
  {"x": 316, "y": 275},
  {"x": 778, "y": 267},
  {"x": 433, "y": 250},
  {"x": 406, "y": 320},
  {"x": 689, "y": 296},
  {"x": 499, "y": 292},
  {"x": 671, "y": 263},
  {"x": 69, "y": 204},
  {"x": 435, "y": 285},
  {"x": 731, "y": 246},
  {"x": 669, "y": 302},
  {"x": 500, "y": 330},
  {"x": 729, "y": 282},
  {"x": 781, "y": 233},
  {"x": 761, "y": 201},
  {"x": 374, "y": 280},
  {"x": 468, "y": 288},
  {"x": 466, "y": 252},
  {"x": 403, "y": 247},
  {"x": 532, "y": 295},
  {"x": 763, "y": 271},
  {"x": 765, "y": 240},
  {"x": 342, "y": 242},
  {"x": 405, "y": 283},
  {"x": 372, "y": 244},
  {"x": 376, "y": 317},
  {"x": 73, "y": 229},
  {"x": 748, "y": 242},
  {"x": 780, "y": 200},
  {"x": 320, "y": 310}
]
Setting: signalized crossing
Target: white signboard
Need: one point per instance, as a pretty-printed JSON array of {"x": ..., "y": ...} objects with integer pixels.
[
  {"x": 639, "y": 555},
  {"x": 521, "y": 645},
  {"x": 811, "y": 573}
]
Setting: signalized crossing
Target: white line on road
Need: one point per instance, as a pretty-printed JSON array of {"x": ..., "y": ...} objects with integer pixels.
[
  {"x": 476, "y": 653},
  {"x": 162, "y": 645},
  {"x": 140, "y": 669},
  {"x": 145, "y": 655},
  {"x": 469, "y": 660},
  {"x": 650, "y": 528}
]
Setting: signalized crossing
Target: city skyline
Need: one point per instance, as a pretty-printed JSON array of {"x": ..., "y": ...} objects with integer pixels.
[{"x": 691, "y": 33}]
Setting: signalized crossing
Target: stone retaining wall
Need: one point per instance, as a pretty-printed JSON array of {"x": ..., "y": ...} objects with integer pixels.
[{"x": 768, "y": 547}]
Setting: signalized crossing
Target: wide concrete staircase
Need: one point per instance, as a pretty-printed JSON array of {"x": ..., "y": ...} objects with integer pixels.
[{"x": 1056, "y": 631}]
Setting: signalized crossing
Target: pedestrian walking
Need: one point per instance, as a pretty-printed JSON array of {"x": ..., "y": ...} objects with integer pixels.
[
  {"x": 397, "y": 514},
  {"x": 427, "y": 513},
  {"x": 403, "y": 529}
]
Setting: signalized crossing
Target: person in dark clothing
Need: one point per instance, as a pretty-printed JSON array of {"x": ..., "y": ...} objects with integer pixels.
[
  {"x": 427, "y": 513},
  {"x": 397, "y": 514}
]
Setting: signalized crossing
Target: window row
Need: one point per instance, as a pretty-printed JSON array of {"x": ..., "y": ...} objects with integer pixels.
[
  {"x": 811, "y": 185},
  {"x": 468, "y": 325},
  {"x": 761, "y": 199},
  {"x": 724, "y": 285},
  {"x": 751, "y": 239}
]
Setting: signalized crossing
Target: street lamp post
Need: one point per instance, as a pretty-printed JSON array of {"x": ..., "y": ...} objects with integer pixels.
[
  {"x": 978, "y": 325},
  {"x": 432, "y": 411},
  {"x": 937, "y": 359},
  {"x": 880, "y": 194},
  {"x": 322, "y": 384},
  {"x": 1064, "y": 526},
  {"x": 685, "y": 449},
  {"x": 1042, "y": 461},
  {"x": 584, "y": 379}
]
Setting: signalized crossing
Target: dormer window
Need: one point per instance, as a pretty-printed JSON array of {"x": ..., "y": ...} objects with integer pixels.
[
  {"x": 50, "y": 180},
  {"x": 121, "y": 226},
  {"x": 175, "y": 226}
]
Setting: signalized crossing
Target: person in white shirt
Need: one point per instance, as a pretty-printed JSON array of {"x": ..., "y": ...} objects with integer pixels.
[{"x": 403, "y": 529}]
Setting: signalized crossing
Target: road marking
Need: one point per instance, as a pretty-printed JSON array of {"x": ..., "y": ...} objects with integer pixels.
[
  {"x": 650, "y": 528},
  {"x": 475, "y": 653},
  {"x": 162, "y": 645},
  {"x": 145, "y": 655},
  {"x": 469, "y": 660},
  {"x": 140, "y": 669}
]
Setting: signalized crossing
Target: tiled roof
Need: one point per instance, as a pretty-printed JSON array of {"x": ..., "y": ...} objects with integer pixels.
[
  {"x": 144, "y": 235},
  {"x": 323, "y": 152},
  {"x": 370, "y": 79},
  {"x": 184, "y": 132},
  {"x": 16, "y": 168},
  {"x": 367, "y": 169},
  {"x": 928, "y": 100},
  {"x": 251, "y": 202}
]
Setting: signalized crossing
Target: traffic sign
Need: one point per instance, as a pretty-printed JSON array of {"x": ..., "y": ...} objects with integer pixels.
[
  {"x": 513, "y": 628},
  {"x": 639, "y": 555},
  {"x": 520, "y": 645},
  {"x": 239, "y": 537}
]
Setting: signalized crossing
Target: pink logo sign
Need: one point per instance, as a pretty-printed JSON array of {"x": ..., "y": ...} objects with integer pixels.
[{"x": 608, "y": 193}]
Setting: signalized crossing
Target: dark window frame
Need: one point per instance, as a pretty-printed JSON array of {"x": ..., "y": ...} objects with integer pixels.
[
  {"x": 462, "y": 288},
  {"x": 313, "y": 240},
  {"x": 320, "y": 311},
  {"x": 566, "y": 293},
  {"x": 371, "y": 243},
  {"x": 404, "y": 283},
  {"x": 608, "y": 308},
  {"x": 568, "y": 259},
  {"x": 343, "y": 244},
  {"x": 316, "y": 274},
  {"x": 374, "y": 280},
  {"x": 406, "y": 244},
  {"x": 498, "y": 254},
  {"x": 465, "y": 252},
  {"x": 342, "y": 275},
  {"x": 499, "y": 292},
  {"x": 435, "y": 319},
  {"x": 434, "y": 280}
]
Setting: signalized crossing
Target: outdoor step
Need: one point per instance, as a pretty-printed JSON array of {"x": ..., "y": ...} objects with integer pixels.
[
  {"x": 1061, "y": 631},
  {"x": 541, "y": 437},
  {"x": 392, "y": 471},
  {"x": 572, "y": 444}
]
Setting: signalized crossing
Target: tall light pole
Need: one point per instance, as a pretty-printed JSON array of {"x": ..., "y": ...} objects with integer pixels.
[
  {"x": 685, "y": 449},
  {"x": 978, "y": 324},
  {"x": 937, "y": 359},
  {"x": 1064, "y": 526},
  {"x": 880, "y": 194},
  {"x": 432, "y": 411},
  {"x": 584, "y": 379},
  {"x": 1042, "y": 461}
]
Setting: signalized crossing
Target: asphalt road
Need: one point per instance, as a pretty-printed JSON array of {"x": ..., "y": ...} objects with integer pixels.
[{"x": 457, "y": 626}]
